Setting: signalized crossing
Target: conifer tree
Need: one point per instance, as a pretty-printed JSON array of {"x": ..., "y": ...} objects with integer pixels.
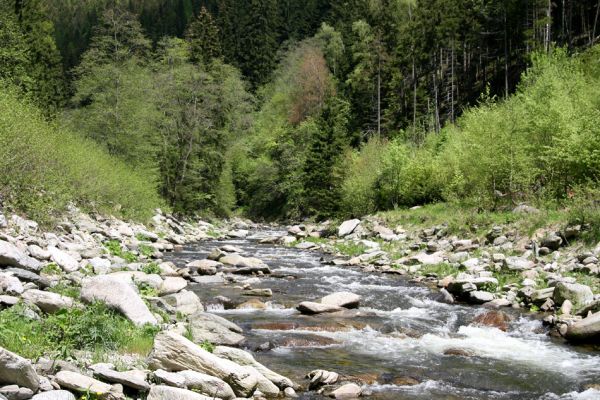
[{"x": 203, "y": 38}]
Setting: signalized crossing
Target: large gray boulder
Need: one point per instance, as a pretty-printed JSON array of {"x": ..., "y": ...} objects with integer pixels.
[
  {"x": 342, "y": 299},
  {"x": 11, "y": 256},
  {"x": 64, "y": 260},
  {"x": 242, "y": 357},
  {"x": 586, "y": 330},
  {"x": 16, "y": 370},
  {"x": 184, "y": 302},
  {"x": 515, "y": 263},
  {"x": 207, "y": 385},
  {"x": 215, "y": 329},
  {"x": 579, "y": 295},
  {"x": 118, "y": 295},
  {"x": 172, "y": 284},
  {"x": 134, "y": 379},
  {"x": 347, "y": 227},
  {"x": 245, "y": 265},
  {"x": 204, "y": 267},
  {"x": 48, "y": 302},
  {"x": 84, "y": 384},
  {"x": 312, "y": 308},
  {"x": 174, "y": 352},
  {"x": 172, "y": 393}
]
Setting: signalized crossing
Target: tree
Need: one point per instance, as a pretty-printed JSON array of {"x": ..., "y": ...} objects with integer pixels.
[{"x": 203, "y": 38}]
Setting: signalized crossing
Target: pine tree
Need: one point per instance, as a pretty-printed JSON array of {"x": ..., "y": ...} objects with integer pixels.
[{"x": 203, "y": 38}]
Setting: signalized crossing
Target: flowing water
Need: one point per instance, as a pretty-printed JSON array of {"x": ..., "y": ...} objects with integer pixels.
[{"x": 396, "y": 342}]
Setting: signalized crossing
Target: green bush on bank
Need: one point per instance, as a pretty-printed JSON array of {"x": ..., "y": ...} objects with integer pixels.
[
  {"x": 541, "y": 144},
  {"x": 43, "y": 169}
]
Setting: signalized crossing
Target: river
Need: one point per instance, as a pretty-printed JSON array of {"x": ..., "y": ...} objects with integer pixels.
[{"x": 402, "y": 343}]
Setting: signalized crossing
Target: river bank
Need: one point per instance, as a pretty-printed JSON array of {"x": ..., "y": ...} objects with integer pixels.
[{"x": 110, "y": 309}]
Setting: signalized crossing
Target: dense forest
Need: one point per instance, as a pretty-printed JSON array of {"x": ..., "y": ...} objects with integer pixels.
[{"x": 287, "y": 109}]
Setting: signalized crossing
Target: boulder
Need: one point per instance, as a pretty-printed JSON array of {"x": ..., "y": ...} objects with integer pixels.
[
  {"x": 320, "y": 377},
  {"x": 63, "y": 259},
  {"x": 242, "y": 357},
  {"x": 579, "y": 295},
  {"x": 245, "y": 265},
  {"x": 100, "y": 265},
  {"x": 494, "y": 318},
  {"x": 208, "y": 385},
  {"x": 176, "y": 353},
  {"x": 55, "y": 395},
  {"x": 11, "y": 256},
  {"x": 552, "y": 242},
  {"x": 427, "y": 259},
  {"x": 134, "y": 379},
  {"x": 342, "y": 299},
  {"x": 16, "y": 370},
  {"x": 215, "y": 329},
  {"x": 28, "y": 276},
  {"x": 348, "y": 391},
  {"x": 14, "y": 392},
  {"x": 118, "y": 295},
  {"x": 38, "y": 253},
  {"x": 84, "y": 384},
  {"x": 10, "y": 284},
  {"x": 480, "y": 297},
  {"x": 347, "y": 227},
  {"x": 515, "y": 263},
  {"x": 171, "y": 393},
  {"x": 204, "y": 267},
  {"x": 172, "y": 284},
  {"x": 586, "y": 330},
  {"x": 48, "y": 302},
  {"x": 169, "y": 378},
  {"x": 184, "y": 302},
  {"x": 311, "y": 308}
]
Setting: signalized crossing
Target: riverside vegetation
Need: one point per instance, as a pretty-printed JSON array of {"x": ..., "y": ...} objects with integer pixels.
[{"x": 462, "y": 137}]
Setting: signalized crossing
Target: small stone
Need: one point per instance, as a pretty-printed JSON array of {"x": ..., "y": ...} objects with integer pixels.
[{"x": 348, "y": 391}]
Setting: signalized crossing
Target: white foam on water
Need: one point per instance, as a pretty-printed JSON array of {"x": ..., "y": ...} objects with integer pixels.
[
  {"x": 430, "y": 387},
  {"x": 323, "y": 269},
  {"x": 590, "y": 394},
  {"x": 271, "y": 309}
]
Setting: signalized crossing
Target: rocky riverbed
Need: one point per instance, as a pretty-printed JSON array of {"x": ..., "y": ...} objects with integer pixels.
[{"x": 360, "y": 309}]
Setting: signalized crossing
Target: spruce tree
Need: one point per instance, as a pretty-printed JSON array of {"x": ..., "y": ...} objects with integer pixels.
[{"x": 203, "y": 38}]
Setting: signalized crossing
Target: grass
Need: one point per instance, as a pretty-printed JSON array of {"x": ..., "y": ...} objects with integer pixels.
[
  {"x": 94, "y": 328},
  {"x": 52, "y": 269},
  {"x": 151, "y": 268},
  {"x": 66, "y": 289},
  {"x": 585, "y": 279},
  {"x": 440, "y": 270},
  {"x": 114, "y": 248}
]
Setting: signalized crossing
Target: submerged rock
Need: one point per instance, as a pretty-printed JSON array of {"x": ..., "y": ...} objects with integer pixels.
[{"x": 494, "y": 318}]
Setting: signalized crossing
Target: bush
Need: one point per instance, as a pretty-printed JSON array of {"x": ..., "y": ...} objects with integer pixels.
[{"x": 43, "y": 169}]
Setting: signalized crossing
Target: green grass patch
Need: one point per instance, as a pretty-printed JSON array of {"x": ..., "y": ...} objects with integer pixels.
[
  {"x": 145, "y": 250},
  {"x": 114, "y": 248},
  {"x": 440, "y": 270},
  {"x": 66, "y": 289},
  {"x": 151, "y": 268},
  {"x": 52, "y": 269},
  {"x": 94, "y": 328},
  {"x": 350, "y": 249}
]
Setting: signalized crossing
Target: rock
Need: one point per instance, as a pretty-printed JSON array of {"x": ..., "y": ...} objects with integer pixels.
[
  {"x": 347, "y": 227},
  {"x": 134, "y": 379},
  {"x": 290, "y": 393},
  {"x": 458, "y": 352},
  {"x": 586, "y": 330},
  {"x": 101, "y": 266},
  {"x": 29, "y": 276},
  {"x": 552, "y": 242},
  {"x": 540, "y": 296},
  {"x": 169, "y": 378},
  {"x": 566, "y": 307},
  {"x": 11, "y": 256},
  {"x": 185, "y": 302},
  {"x": 342, "y": 299},
  {"x": 55, "y": 395},
  {"x": 348, "y": 391},
  {"x": 84, "y": 384},
  {"x": 63, "y": 259},
  {"x": 320, "y": 377},
  {"x": 48, "y": 302},
  {"x": 258, "y": 292},
  {"x": 10, "y": 284},
  {"x": 246, "y": 265},
  {"x": 204, "y": 267},
  {"x": 495, "y": 319},
  {"x": 16, "y": 370},
  {"x": 8, "y": 300},
  {"x": 238, "y": 234},
  {"x": 242, "y": 357},
  {"x": 514, "y": 263},
  {"x": 254, "y": 304},
  {"x": 480, "y": 297},
  {"x": 172, "y": 285},
  {"x": 525, "y": 209},
  {"x": 171, "y": 393},
  {"x": 579, "y": 295},
  {"x": 176, "y": 353},
  {"x": 117, "y": 295},
  {"x": 311, "y": 308},
  {"x": 38, "y": 253},
  {"x": 14, "y": 392},
  {"x": 427, "y": 259},
  {"x": 208, "y": 385},
  {"x": 215, "y": 329}
]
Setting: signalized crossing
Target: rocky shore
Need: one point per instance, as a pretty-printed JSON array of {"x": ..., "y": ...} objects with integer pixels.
[{"x": 196, "y": 354}]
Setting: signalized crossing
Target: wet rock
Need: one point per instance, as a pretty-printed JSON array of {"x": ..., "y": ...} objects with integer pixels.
[
  {"x": 586, "y": 330},
  {"x": 242, "y": 357},
  {"x": 306, "y": 341},
  {"x": 347, "y": 227},
  {"x": 215, "y": 329},
  {"x": 48, "y": 302},
  {"x": 320, "y": 377},
  {"x": 172, "y": 393},
  {"x": 252, "y": 304},
  {"x": 55, "y": 395},
  {"x": 11, "y": 256},
  {"x": 312, "y": 308},
  {"x": 118, "y": 295},
  {"x": 175, "y": 353},
  {"x": 204, "y": 267},
  {"x": 84, "y": 384},
  {"x": 342, "y": 299},
  {"x": 16, "y": 370},
  {"x": 348, "y": 391},
  {"x": 495, "y": 319},
  {"x": 207, "y": 385},
  {"x": 185, "y": 302},
  {"x": 579, "y": 295}
]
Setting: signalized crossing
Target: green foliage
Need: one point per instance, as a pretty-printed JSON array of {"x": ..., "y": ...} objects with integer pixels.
[
  {"x": 93, "y": 327},
  {"x": 145, "y": 250},
  {"x": 208, "y": 346},
  {"x": 147, "y": 290},
  {"x": 203, "y": 37},
  {"x": 151, "y": 268},
  {"x": 66, "y": 289},
  {"x": 350, "y": 249},
  {"x": 51, "y": 269},
  {"x": 42, "y": 168},
  {"x": 439, "y": 270},
  {"x": 115, "y": 248}
]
